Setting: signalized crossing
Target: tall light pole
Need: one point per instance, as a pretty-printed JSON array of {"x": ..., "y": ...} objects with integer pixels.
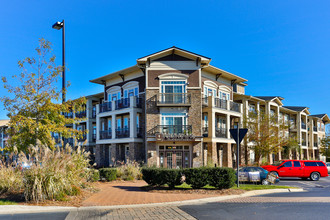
[{"x": 58, "y": 26}]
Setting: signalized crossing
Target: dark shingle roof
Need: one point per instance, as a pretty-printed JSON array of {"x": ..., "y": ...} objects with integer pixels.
[
  {"x": 295, "y": 108},
  {"x": 268, "y": 98},
  {"x": 318, "y": 115}
]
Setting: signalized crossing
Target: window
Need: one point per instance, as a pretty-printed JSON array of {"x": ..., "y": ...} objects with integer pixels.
[
  {"x": 109, "y": 124},
  {"x": 310, "y": 164},
  {"x": 320, "y": 164},
  {"x": 252, "y": 108},
  {"x": 118, "y": 123},
  {"x": 224, "y": 95},
  {"x": 137, "y": 121},
  {"x": 209, "y": 92},
  {"x": 287, "y": 164},
  {"x": 173, "y": 86},
  {"x": 125, "y": 122},
  {"x": 296, "y": 164}
]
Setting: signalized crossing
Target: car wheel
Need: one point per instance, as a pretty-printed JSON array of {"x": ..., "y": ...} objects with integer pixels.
[
  {"x": 265, "y": 182},
  {"x": 274, "y": 172},
  {"x": 315, "y": 176}
]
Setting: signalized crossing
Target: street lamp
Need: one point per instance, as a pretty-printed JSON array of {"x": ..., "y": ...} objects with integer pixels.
[{"x": 58, "y": 26}]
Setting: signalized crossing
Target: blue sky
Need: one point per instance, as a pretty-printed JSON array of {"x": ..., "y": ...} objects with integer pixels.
[{"x": 281, "y": 47}]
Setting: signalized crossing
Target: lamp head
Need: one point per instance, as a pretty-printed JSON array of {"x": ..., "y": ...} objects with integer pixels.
[{"x": 58, "y": 25}]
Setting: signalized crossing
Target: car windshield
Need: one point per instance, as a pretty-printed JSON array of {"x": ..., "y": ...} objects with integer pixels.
[{"x": 277, "y": 163}]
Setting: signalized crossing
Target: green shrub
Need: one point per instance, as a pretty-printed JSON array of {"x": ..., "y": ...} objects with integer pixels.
[
  {"x": 221, "y": 177},
  {"x": 109, "y": 174},
  {"x": 162, "y": 176},
  {"x": 196, "y": 177}
]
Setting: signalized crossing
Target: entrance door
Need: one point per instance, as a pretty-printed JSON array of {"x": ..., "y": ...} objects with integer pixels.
[{"x": 174, "y": 156}]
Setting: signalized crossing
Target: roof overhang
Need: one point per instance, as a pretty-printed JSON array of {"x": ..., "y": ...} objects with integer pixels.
[
  {"x": 103, "y": 79},
  {"x": 225, "y": 74}
]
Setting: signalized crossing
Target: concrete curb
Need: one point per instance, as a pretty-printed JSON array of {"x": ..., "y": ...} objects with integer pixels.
[{"x": 14, "y": 209}]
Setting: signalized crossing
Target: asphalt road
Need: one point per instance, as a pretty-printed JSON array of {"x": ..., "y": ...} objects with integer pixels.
[{"x": 314, "y": 203}]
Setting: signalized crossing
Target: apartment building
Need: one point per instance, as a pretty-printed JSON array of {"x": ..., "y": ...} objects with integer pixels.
[
  {"x": 174, "y": 109},
  {"x": 3, "y": 134}
]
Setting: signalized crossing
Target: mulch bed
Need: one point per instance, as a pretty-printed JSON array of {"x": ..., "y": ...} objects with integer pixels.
[{"x": 194, "y": 191}]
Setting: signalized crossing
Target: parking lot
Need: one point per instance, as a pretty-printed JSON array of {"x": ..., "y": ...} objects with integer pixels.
[{"x": 324, "y": 182}]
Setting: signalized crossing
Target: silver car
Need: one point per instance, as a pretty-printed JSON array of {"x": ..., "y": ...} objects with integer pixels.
[{"x": 328, "y": 166}]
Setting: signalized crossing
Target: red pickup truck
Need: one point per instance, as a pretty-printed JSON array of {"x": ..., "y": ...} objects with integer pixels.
[{"x": 304, "y": 169}]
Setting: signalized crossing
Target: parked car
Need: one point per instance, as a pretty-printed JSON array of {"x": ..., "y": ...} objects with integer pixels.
[
  {"x": 328, "y": 166},
  {"x": 254, "y": 174},
  {"x": 304, "y": 169}
]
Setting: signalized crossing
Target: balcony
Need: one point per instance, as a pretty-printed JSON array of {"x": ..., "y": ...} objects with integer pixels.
[
  {"x": 68, "y": 114},
  {"x": 314, "y": 128},
  {"x": 94, "y": 112},
  {"x": 122, "y": 132},
  {"x": 172, "y": 133},
  {"x": 174, "y": 99},
  {"x": 122, "y": 103},
  {"x": 315, "y": 144},
  {"x": 83, "y": 138},
  {"x": 94, "y": 137},
  {"x": 205, "y": 131},
  {"x": 221, "y": 132},
  {"x": 106, "y": 134},
  {"x": 105, "y": 107},
  {"x": 220, "y": 103},
  {"x": 303, "y": 126},
  {"x": 303, "y": 143},
  {"x": 81, "y": 114}
]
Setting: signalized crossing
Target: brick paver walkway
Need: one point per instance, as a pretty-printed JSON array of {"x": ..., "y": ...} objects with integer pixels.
[
  {"x": 157, "y": 213},
  {"x": 128, "y": 193}
]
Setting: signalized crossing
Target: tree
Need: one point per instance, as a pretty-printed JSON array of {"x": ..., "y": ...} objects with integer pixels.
[
  {"x": 34, "y": 109},
  {"x": 266, "y": 133},
  {"x": 325, "y": 146}
]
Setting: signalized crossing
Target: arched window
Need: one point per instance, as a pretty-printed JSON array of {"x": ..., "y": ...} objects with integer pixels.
[{"x": 131, "y": 89}]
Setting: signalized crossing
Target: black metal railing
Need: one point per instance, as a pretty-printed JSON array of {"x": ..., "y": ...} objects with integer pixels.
[
  {"x": 139, "y": 133},
  {"x": 93, "y": 137},
  {"x": 68, "y": 141},
  {"x": 68, "y": 114},
  {"x": 220, "y": 103},
  {"x": 122, "y": 132},
  {"x": 221, "y": 132},
  {"x": 314, "y": 128},
  {"x": 303, "y": 126},
  {"x": 172, "y": 129},
  {"x": 106, "y": 134},
  {"x": 236, "y": 107},
  {"x": 315, "y": 144},
  {"x": 105, "y": 107},
  {"x": 205, "y": 131},
  {"x": 303, "y": 143},
  {"x": 81, "y": 114},
  {"x": 122, "y": 103},
  {"x": 174, "y": 98}
]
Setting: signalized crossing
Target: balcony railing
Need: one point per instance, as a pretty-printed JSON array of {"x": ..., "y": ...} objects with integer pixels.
[
  {"x": 205, "y": 101},
  {"x": 68, "y": 114},
  {"x": 171, "y": 129},
  {"x": 105, "y": 107},
  {"x": 220, "y": 103},
  {"x": 94, "y": 112},
  {"x": 122, "y": 103},
  {"x": 235, "y": 107},
  {"x": 221, "y": 132},
  {"x": 106, "y": 134},
  {"x": 94, "y": 137},
  {"x": 174, "y": 99},
  {"x": 303, "y": 126},
  {"x": 303, "y": 143},
  {"x": 315, "y": 144},
  {"x": 205, "y": 131},
  {"x": 81, "y": 114},
  {"x": 314, "y": 128},
  {"x": 122, "y": 132}
]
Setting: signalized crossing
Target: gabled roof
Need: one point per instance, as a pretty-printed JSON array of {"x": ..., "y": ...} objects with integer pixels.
[
  {"x": 228, "y": 75},
  {"x": 298, "y": 108},
  {"x": 323, "y": 117},
  {"x": 269, "y": 98},
  {"x": 171, "y": 49}
]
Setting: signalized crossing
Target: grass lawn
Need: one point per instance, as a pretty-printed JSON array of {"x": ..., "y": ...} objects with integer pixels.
[{"x": 7, "y": 202}]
